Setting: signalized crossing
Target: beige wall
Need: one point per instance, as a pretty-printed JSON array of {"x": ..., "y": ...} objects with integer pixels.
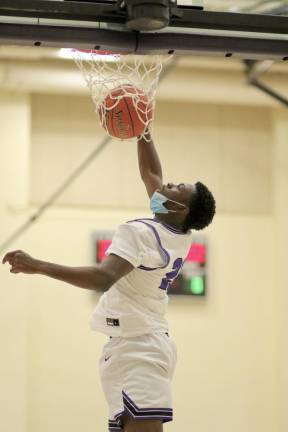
[
  {"x": 281, "y": 240},
  {"x": 14, "y": 173},
  {"x": 231, "y": 344}
]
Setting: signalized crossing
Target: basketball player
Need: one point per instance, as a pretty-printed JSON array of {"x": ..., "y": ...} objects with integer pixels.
[{"x": 139, "y": 357}]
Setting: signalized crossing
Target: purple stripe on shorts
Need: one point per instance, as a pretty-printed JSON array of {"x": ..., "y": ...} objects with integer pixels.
[
  {"x": 113, "y": 423},
  {"x": 125, "y": 396},
  {"x": 114, "y": 426},
  {"x": 116, "y": 417},
  {"x": 163, "y": 414}
]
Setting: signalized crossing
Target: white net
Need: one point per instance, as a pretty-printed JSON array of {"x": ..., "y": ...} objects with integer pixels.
[{"x": 112, "y": 77}]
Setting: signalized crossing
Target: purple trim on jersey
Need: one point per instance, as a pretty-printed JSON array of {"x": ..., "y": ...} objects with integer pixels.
[
  {"x": 141, "y": 267},
  {"x": 167, "y": 256},
  {"x": 164, "y": 414},
  {"x": 169, "y": 227}
]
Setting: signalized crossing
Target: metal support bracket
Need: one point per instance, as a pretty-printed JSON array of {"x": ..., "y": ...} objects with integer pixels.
[{"x": 252, "y": 74}]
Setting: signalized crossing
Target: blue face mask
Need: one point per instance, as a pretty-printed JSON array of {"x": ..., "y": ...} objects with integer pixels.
[{"x": 157, "y": 204}]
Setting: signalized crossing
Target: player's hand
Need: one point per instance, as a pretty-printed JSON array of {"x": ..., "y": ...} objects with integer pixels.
[{"x": 20, "y": 262}]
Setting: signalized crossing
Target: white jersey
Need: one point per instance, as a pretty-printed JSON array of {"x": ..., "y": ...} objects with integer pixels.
[{"x": 136, "y": 304}]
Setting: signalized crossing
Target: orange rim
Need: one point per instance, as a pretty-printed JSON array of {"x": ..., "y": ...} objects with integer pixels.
[{"x": 97, "y": 52}]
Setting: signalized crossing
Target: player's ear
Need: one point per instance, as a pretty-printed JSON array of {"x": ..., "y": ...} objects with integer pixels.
[{"x": 184, "y": 209}]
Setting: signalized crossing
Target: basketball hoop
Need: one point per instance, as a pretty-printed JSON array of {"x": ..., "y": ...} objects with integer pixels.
[{"x": 104, "y": 71}]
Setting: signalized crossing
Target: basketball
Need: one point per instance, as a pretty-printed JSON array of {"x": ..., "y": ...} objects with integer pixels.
[{"x": 125, "y": 112}]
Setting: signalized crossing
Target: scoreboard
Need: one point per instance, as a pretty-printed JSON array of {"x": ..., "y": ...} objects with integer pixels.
[{"x": 192, "y": 278}]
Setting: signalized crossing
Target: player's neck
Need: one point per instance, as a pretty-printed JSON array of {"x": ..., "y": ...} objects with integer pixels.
[{"x": 166, "y": 219}]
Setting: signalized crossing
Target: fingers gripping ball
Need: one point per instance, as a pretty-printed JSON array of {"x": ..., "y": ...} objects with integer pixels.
[{"x": 125, "y": 112}]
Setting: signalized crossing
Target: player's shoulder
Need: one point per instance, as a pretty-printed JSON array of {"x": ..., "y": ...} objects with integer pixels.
[
  {"x": 132, "y": 227},
  {"x": 143, "y": 225},
  {"x": 142, "y": 228}
]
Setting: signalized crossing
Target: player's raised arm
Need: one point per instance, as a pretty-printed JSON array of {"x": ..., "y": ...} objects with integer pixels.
[
  {"x": 149, "y": 165},
  {"x": 101, "y": 277}
]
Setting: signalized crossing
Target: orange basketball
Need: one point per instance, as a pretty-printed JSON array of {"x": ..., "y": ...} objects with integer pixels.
[{"x": 125, "y": 112}]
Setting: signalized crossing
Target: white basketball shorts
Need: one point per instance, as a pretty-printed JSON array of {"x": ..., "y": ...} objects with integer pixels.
[{"x": 136, "y": 374}]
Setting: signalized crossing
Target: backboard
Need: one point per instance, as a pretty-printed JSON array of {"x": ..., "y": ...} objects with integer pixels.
[{"x": 250, "y": 29}]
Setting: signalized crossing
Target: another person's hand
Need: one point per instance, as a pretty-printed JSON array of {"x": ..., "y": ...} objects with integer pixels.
[{"x": 21, "y": 262}]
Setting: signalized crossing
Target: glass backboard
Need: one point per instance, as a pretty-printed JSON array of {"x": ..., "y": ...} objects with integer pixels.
[{"x": 272, "y": 7}]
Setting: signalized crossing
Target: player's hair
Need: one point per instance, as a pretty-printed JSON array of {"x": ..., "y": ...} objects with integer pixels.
[{"x": 202, "y": 209}]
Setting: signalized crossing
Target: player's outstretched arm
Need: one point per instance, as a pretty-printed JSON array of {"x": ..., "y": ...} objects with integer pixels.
[
  {"x": 101, "y": 277},
  {"x": 149, "y": 165}
]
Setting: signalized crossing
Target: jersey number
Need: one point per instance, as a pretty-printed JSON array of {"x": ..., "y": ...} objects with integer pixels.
[{"x": 170, "y": 276}]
